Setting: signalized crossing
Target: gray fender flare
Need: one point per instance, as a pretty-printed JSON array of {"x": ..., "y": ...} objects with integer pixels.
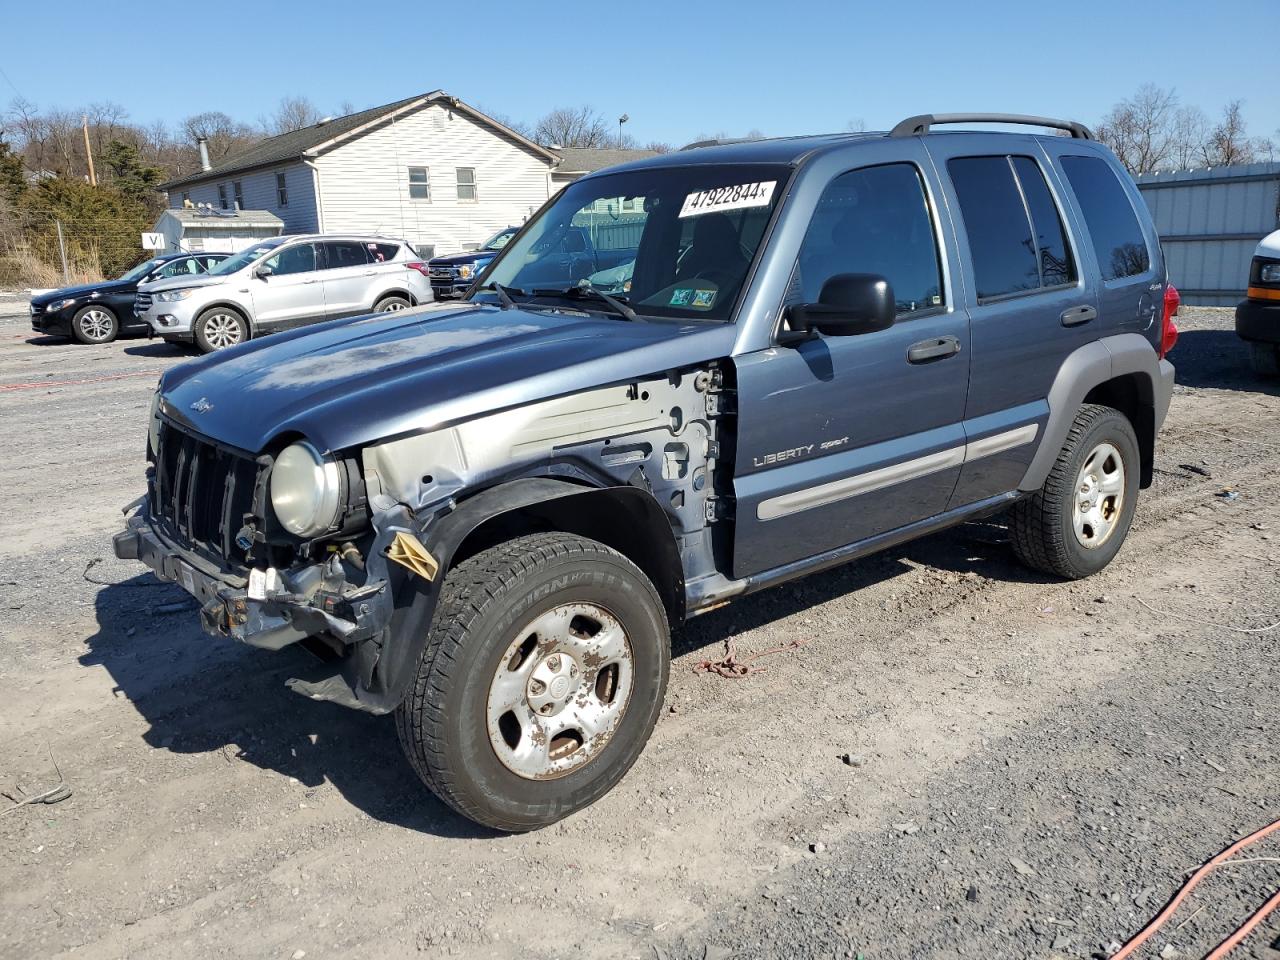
[{"x": 1085, "y": 368}]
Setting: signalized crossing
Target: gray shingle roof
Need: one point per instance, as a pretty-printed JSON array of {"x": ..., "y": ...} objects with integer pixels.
[
  {"x": 225, "y": 218},
  {"x": 297, "y": 143},
  {"x": 589, "y": 159}
]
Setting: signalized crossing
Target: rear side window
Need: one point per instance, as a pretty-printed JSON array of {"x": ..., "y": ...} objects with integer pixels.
[
  {"x": 1113, "y": 226},
  {"x": 382, "y": 252},
  {"x": 343, "y": 253},
  {"x": 874, "y": 220},
  {"x": 1016, "y": 237}
]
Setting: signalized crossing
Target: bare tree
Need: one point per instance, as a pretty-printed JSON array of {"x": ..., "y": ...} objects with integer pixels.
[
  {"x": 856, "y": 125},
  {"x": 1187, "y": 137},
  {"x": 1139, "y": 130},
  {"x": 1229, "y": 142},
  {"x": 224, "y": 136},
  {"x": 658, "y": 146},
  {"x": 293, "y": 113},
  {"x": 574, "y": 127}
]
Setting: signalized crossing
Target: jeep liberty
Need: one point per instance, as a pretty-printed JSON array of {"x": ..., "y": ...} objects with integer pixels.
[{"x": 487, "y": 517}]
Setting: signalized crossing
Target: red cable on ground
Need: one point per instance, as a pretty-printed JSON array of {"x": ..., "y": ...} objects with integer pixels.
[
  {"x": 37, "y": 384},
  {"x": 1227, "y": 945}
]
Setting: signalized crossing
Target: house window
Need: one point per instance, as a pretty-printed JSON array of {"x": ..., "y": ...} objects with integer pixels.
[
  {"x": 222, "y": 195},
  {"x": 238, "y": 193},
  {"x": 282, "y": 191},
  {"x": 466, "y": 183},
  {"x": 419, "y": 183}
]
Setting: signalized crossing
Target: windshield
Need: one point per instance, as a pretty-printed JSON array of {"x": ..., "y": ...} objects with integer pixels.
[
  {"x": 671, "y": 241},
  {"x": 498, "y": 240},
  {"x": 141, "y": 270},
  {"x": 246, "y": 257}
]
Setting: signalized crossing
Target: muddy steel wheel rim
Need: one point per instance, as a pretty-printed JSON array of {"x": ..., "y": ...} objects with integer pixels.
[
  {"x": 1099, "y": 496},
  {"x": 222, "y": 330},
  {"x": 560, "y": 691},
  {"x": 96, "y": 325}
]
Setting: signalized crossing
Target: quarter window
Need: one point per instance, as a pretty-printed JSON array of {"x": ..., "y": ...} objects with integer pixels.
[
  {"x": 1108, "y": 213},
  {"x": 282, "y": 191},
  {"x": 382, "y": 252},
  {"x": 1016, "y": 237},
  {"x": 466, "y": 183},
  {"x": 419, "y": 183},
  {"x": 874, "y": 220}
]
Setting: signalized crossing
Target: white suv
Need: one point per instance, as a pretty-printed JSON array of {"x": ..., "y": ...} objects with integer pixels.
[{"x": 285, "y": 282}]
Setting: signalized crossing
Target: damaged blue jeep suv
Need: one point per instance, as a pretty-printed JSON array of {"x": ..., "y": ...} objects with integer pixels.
[{"x": 488, "y": 516}]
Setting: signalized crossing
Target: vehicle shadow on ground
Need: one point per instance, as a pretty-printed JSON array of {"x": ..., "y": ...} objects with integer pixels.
[
  {"x": 159, "y": 348},
  {"x": 1220, "y": 360}
]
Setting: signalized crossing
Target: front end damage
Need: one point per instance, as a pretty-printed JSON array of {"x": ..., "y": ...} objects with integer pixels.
[{"x": 364, "y": 598}]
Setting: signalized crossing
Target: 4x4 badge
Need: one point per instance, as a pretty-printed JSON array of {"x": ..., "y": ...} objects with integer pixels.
[{"x": 202, "y": 405}]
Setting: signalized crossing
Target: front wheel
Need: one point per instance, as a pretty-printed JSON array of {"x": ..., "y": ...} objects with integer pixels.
[
  {"x": 541, "y": 681},
  {"x": 218, "y": 328},
  {"x": 1074, "y": 525},
  {"x": 95, "y": 324}
]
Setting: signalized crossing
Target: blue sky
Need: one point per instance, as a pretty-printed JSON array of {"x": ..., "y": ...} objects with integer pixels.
[{"x": 678, "y": 69}]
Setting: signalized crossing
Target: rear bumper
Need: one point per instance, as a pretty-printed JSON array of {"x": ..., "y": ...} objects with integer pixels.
[
  {"x": 269, "y": 609},
  {"x": 1258, "y": 322},
  {"x": 1164, "y": 392}
]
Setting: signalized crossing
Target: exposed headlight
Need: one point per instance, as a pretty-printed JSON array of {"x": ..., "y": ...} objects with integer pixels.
[
  {"x": 60, "y": 305},
  {"x": 465, "y": 271},
  {"x": 1270, "y": 273},
  {"x": 169, "y": 296},
  {"x": 306, "y": 491},
  {"x": 153, "y": 428}
]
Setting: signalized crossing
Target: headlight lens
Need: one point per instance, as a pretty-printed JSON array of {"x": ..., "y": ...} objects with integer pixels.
[
  {"x": 60, "y": 305},
  {"x": 305, "y": 490},
  {"x": 465, "y": 271},
  {"x": 1270, "y": 273},
  {"x": 169, "y": 296},
  {"x": 153, "y": 428}
]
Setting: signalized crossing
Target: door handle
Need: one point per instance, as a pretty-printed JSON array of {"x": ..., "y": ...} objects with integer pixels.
[
  {"x": 310, "y": 281},
  {"x": 371, "y": 273},
  {"x": 934, "y": 349},
  {"x": 1076, "y": 315}
]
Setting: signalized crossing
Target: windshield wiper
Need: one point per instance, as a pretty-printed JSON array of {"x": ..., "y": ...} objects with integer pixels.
[
  {"x": 503, "y": 295},
  {"x": 619, "y": 305}
]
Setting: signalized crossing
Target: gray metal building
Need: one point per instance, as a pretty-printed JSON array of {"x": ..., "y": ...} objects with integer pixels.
[{"x": 1209, "y": 223}]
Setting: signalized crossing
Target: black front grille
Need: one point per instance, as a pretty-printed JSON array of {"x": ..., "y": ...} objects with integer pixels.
[
  {"x": 202, "y": 494},
  {"x": 142, "y": 303}
]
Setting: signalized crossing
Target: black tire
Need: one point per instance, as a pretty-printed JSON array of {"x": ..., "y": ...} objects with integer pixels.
[
  {"x": 1042, "y": 526},
  {"x": 210, "y": 331},
  {"x": 392, "y": 303},
  {"x": 95, "y": 323},
  {"x": 1266, "y": 359},
  {"x": 485, "y": 604}
]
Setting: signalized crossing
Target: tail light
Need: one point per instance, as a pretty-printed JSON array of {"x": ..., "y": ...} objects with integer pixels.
[
  {"x": 1169, "y": 329},
  {"x": 419, "y": 266}
]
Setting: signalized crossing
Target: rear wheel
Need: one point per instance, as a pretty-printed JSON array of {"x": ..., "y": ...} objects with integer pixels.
[
  {"x": 1073, "y": 525},
  {"x": 1266, "y": 359},
  {"x": 392, "y": 304},
  {"x": 95, "y": 324},
  {"x": 540, "y": 683},
  {"x": 218, "y": 328}
]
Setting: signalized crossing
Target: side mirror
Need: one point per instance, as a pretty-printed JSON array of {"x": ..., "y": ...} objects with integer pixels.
[
  {"x": 849, "y": 304},
  {"x": 263, "y": 272}
]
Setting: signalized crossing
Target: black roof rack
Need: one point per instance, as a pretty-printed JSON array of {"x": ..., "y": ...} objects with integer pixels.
[{"x": 919, "y": 126}]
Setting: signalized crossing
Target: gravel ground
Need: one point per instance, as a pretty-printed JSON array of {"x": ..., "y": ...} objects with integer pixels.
[{"x": 1031, "y": 765}]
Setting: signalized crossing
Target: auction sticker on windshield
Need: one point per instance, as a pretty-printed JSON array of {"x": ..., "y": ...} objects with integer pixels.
[{"x": 738, "y": 196}]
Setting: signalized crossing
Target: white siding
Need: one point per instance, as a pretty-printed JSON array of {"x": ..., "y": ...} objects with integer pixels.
[
  {"x": 259, "y": 188},
  {"x": 364, "y": 182}
]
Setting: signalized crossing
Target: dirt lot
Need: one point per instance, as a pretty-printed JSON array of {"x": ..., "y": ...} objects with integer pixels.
[{"x": 1033, "y": 765}]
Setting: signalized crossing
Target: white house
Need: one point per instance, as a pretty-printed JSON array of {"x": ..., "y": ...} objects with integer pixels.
[{"x": 429, "y": 169}]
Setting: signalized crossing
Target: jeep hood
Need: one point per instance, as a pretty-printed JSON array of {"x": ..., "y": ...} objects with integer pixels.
[{"x": 346, "y": 383}]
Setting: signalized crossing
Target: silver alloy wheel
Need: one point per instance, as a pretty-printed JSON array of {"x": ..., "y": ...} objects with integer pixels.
[
  {"x": 222, "y": 330},
  {"x": 394, "y": 306},
  {"x": 96, "y": 324},
  {"x": 1099, "y": 496},
  {"x": 560, "y": 691}
]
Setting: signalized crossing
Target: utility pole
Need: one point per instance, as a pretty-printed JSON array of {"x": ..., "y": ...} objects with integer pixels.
[
  {"x": 62, "y": 249},
  {"x": 88, "y": 151}
]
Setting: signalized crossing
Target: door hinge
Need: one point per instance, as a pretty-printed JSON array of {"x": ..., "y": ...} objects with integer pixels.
[
  {"x": 719, "y": 404},
  {"x": 718, "y": 508}
]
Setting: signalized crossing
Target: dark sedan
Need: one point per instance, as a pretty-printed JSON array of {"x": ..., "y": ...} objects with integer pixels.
[{"x": 99, "y": 312}]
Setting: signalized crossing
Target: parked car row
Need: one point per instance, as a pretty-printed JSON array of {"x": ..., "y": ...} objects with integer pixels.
[{"x": 219, "y": 300}]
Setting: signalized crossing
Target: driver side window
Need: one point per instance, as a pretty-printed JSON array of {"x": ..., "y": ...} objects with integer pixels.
[{"x": 874, "y": 220}]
